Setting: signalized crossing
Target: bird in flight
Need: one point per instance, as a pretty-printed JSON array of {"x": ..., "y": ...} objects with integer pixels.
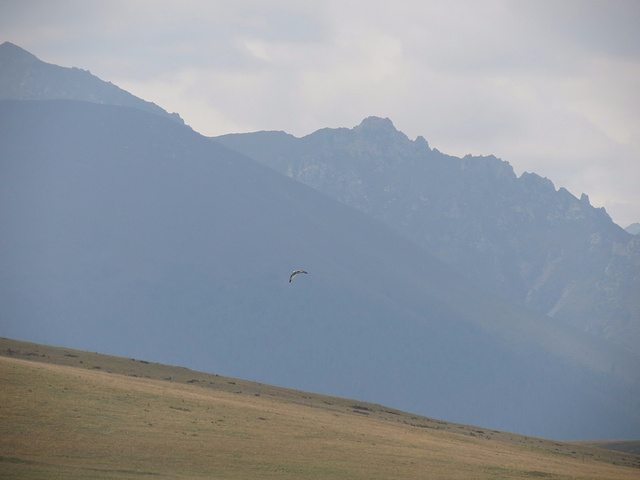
[{"x": 295, "y": 273}]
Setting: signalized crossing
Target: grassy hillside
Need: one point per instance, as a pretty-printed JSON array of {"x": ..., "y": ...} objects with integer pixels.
[
  {"x": 627, "y": 446},
  {"x": 72, "y": 414}
]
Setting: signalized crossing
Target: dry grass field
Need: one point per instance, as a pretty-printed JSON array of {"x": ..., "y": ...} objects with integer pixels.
[{"x": 76, "y": 415}]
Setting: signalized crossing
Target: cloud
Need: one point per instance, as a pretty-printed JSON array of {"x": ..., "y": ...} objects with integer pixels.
[{"x": 549, "y": 86}]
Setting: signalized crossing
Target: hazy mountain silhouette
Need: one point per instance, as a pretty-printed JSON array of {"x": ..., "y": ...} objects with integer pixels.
[
  {"x": 124, "y": 232},
  {"x": 633, "y": 229},
  {"x": 539, "y": 247},
  {"x": 24, "y": 77}
]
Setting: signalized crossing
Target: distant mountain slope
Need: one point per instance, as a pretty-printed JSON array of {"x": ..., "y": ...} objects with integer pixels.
[
  {"x": 633, "y": 229},
  {"x": 25, "y": 77},
  {"x": 126, "y": 233},
  {"x": 534, "y": 245}
]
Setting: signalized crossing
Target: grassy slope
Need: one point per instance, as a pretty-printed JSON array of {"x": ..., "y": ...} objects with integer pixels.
[
  {"x": 71, "y": 414},
  {"x": 627, "y": 446}
]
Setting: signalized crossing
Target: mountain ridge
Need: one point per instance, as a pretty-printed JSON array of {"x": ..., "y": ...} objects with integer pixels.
[
  {"x": 539, "y": 247},
  {"x": 23, "y": 76},
  {"x": 128, "y": 233},
  {"x": 152, "y": 241}
]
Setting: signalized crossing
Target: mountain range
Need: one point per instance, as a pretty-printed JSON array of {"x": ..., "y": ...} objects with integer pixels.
[
  {"x": 533, "y": 245},
  {"x": 126, "y": 232}
]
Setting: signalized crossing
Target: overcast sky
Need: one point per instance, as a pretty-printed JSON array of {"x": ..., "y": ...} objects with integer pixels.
[{"x": 552, "y": 87}]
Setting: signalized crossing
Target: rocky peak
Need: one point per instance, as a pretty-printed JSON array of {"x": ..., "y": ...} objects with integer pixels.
[
  {"x": 533, "y": 182},
  {"x": 376, "y": 124},
  {"x": 380, "y": 130},
  {"x": 584, "y": 198},
  {"x": 422, "y": 142},
  {"x": 487, "y": 167},
  {"x": 379, "y": 137}
]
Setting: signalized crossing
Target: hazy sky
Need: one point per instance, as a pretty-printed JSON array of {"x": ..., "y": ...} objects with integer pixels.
[{"x": 552, "y": 87}]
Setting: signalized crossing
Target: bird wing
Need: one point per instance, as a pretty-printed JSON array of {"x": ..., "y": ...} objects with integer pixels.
[{"x": 295, "y": 273}]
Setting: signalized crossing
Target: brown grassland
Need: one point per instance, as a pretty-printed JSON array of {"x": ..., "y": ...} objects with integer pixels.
[{"x": 72, "y": 414}]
